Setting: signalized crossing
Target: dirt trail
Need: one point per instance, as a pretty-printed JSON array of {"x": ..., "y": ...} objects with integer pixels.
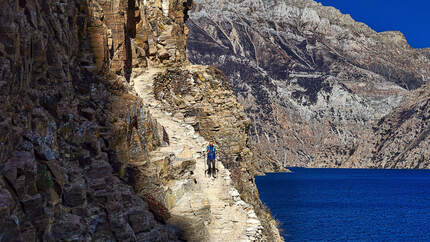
[{"x": 211, "y": 204}]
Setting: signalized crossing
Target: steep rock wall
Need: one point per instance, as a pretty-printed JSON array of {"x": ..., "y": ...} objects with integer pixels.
[
  {"x": 127, "y": 34},
  {"x": 66, "y": 134}
]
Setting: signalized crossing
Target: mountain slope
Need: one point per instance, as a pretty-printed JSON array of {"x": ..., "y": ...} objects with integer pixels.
[
  {"x": 400, "y": 139},
  {"x": 311, "y": 79}
]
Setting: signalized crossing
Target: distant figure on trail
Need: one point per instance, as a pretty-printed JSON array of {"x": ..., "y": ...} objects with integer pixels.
[{"x": 211, "y": 156}]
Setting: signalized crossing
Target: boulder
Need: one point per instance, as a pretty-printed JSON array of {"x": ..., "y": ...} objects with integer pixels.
[{"x": 75, "y": 194}]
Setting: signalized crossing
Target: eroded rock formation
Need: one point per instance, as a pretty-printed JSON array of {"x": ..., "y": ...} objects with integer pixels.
[
  {"x": 311, "y": 79},
  {"x": 66, "y": 132},
  {"x": 400, "y": 139},
  {"x": 127, "y": 34},
  {"x": 78, "y": 146}
]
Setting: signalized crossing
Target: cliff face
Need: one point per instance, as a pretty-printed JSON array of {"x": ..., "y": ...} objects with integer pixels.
[
  {"x": 203, "y": 99},
  {"x": 66, "y": 132},
  {"x": 311, "y": 79},
  {"x": 130, "y": 34},
  {"x": 81, "y": 155}
]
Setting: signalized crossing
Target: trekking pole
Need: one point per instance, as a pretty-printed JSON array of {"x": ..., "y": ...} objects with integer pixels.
[
  {"x": 205, "y": 161},
  {"x": 215, "y": 166},
  {"x": 207, "y": 164}
]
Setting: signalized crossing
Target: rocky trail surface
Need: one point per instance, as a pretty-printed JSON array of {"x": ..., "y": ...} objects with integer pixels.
[{"x": 213, "y": 204}]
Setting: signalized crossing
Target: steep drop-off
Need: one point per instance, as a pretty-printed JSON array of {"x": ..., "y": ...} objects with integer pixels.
[
  {"x": 83, "y": 157},
  {"x": 311, "y": 79}
]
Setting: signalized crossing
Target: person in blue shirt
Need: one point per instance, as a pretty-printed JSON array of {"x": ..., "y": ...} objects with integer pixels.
[{"x": 211, "y": 156}]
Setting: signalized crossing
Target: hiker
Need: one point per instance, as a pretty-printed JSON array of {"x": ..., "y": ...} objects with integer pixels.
[{"x": 211, "y": 156}]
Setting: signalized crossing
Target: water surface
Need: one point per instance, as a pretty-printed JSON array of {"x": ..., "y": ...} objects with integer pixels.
[{"x": 349, "y": 204}]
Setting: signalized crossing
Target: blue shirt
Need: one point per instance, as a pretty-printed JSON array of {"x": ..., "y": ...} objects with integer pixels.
[{"x": 211, "y": 152}]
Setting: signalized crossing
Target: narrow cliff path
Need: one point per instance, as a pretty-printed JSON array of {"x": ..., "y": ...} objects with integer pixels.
[{"x": 210, "y": 209}]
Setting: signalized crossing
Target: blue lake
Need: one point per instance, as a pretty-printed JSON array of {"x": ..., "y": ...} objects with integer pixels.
[{"x": 349, "y": 204}]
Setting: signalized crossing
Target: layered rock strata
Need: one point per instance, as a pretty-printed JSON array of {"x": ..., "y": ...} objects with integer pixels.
[
  {"x": 127, "y": 34},
  {"x": 81, "y": 156},
  {"x": 311, "y": 79},
  {"x": 67, "y": 133}
]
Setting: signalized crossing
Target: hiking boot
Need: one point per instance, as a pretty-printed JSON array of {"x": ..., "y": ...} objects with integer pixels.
[{"x": 213, "y": 173}]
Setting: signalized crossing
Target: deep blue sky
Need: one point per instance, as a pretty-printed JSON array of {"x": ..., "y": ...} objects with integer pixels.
[{"x": 411, "y": 17}]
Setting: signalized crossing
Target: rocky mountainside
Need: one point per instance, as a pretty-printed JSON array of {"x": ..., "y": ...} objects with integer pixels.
[
  {"x": 67, "y": 123},
  {"x": 311, "y": 79},
  {"x": 60, "y": 132},
  {"x": 425, "y": 52},
  {"x": 400, "y": 139},
  {"x": 83, "y": 157}
]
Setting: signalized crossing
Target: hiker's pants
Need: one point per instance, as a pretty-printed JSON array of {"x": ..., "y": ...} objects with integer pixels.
[{"x": 211, "y": 164}]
